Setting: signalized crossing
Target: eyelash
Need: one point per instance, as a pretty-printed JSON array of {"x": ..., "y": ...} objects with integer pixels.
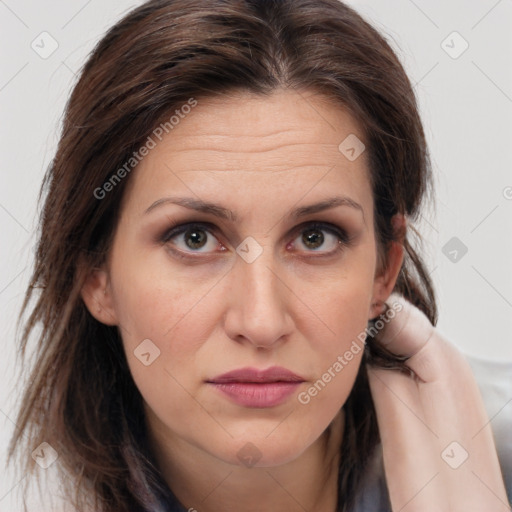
[{"x": 178, "y": 229}]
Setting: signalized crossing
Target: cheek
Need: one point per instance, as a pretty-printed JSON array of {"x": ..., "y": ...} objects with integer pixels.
[
  {"x": 154, "y": 300},
  {"x": 337, "y": 355},
  {"x": 334, "y": 324},
  {"x": 173, "y": 318},
  {"x": 339, "y": 304},
  {"x": 164, "y": 311}
]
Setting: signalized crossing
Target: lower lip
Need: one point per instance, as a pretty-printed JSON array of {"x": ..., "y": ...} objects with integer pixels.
[{"x": 250, "y": 394}]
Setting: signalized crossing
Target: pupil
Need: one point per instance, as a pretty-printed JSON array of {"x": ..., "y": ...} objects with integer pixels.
[
  {"x": 314, "y": 237},
  {"x": 198, "y": 238}
]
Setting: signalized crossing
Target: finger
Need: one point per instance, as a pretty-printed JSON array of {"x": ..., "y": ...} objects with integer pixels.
[{"x": 408, "y": 330}]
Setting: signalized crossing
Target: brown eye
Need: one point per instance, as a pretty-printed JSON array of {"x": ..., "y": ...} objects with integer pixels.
[
  {"x": 191, "y": 238},
  {"x": 322, "y": 238},
  {"x": 313, "y": 238},
  {"x": 196, "y": 237}
]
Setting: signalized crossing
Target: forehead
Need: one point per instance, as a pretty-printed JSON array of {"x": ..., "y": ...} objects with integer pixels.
[
  {"x": 288, "y": 142},
  {"x": 263, "y": 123}
]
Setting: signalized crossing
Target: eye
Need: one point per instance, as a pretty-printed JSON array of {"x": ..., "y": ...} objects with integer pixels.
[
  {"x": 320, "y": 237},
  {"x": 192, "y": 237}
]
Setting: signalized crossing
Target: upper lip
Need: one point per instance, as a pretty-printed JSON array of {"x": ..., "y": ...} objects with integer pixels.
[{"x": 272, "y": 374}]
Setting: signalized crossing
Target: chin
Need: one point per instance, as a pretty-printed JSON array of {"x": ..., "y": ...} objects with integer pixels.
[{"x": 259, "y": 451}]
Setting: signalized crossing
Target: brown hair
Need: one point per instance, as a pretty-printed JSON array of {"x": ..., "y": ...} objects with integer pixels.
[{"x": 82, "y": 399}]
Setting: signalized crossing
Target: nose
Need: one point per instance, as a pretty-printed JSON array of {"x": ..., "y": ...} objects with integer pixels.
[{"x": 259, "y": 302}]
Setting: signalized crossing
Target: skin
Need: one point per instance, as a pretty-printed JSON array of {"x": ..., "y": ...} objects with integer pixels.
[
  {"x": 435, "y": 432},
  {"x": 211, "y": 312}
]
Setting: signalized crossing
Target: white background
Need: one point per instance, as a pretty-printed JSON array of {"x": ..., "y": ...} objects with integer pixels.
[{"x": 466, "y": 104}]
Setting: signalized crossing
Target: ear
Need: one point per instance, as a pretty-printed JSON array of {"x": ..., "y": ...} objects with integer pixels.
[
  {"x": 385, "y": 278},
  {"x": 97, "y": 296}
]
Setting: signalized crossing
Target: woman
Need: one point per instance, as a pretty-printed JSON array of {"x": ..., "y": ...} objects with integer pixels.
[{"x": 225, "y": 221}]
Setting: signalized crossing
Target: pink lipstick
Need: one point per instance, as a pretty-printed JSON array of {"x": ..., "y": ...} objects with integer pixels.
[{"x": 250, "y": 387}]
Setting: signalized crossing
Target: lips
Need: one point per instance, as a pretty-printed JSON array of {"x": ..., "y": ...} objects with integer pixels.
[
  {"x": 253, "y": 375},
  {"x": 250, "y": 387}
]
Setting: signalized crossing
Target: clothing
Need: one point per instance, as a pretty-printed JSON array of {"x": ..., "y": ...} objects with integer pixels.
[{"x": 494, "y": 379}]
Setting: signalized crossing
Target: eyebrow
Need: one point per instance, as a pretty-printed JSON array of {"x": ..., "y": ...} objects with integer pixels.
[{"x": 226, "y": 214}]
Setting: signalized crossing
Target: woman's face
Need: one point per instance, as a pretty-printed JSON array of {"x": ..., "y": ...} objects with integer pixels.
[{"x": 287, "y": 284}]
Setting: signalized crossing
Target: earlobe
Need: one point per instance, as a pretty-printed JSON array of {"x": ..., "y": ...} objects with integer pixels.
[
  {"x": 96, "y": 294},
  {"x": 385, "y": 282}
]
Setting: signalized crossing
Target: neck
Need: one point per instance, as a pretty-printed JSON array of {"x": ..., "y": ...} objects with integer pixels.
[{"x": 204, "y": 483}]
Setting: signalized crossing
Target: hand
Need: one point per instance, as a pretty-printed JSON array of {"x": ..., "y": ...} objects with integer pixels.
[{"x": 438, "y": 447}]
